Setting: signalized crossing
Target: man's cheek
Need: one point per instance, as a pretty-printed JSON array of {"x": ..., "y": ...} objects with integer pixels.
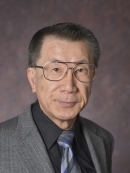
[{"x": 42, "y": 88}]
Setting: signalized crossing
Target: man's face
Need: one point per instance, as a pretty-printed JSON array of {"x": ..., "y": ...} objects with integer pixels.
[{"x": 61, "y": 100}]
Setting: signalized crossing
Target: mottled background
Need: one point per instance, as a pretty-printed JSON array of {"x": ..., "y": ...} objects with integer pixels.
[{"x": 109, "y": 105}]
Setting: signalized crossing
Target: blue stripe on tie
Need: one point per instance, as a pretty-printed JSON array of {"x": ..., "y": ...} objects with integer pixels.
[{"x": 68, "y": 162}]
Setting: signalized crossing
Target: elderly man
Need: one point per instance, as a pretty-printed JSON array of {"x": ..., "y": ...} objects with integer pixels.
[{"x": 50, "y": 136}]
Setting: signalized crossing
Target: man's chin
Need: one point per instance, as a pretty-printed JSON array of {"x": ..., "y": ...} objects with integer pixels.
[{"x": 66, "y": 115}]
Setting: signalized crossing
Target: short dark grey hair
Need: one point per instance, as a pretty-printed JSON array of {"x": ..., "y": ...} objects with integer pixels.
[{"x": 68, "y": 31}]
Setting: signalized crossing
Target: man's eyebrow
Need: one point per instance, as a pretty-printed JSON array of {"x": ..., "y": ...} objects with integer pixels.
[
  {"x": 59, "y": 60},
  {"x": 55, "y": 60},
  {"x": 83, "y": 61}
]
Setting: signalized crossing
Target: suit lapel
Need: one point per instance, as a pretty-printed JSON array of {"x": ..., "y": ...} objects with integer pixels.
[
  {"x": 97, "y": 150},
  {"x": 31, "y": 148}
]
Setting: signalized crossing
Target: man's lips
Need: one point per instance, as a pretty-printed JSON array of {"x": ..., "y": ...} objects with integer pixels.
[{"x": 66, "y": 104}]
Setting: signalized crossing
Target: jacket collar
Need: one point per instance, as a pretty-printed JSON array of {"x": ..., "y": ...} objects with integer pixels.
[
  {"x": 95, "y": 145},
  {"x": 31, "y": 148}
]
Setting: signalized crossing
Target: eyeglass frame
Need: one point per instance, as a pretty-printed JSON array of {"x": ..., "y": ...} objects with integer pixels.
[{"x": 68, "y": 68}]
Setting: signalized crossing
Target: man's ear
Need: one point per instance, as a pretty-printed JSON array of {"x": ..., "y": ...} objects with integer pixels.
[{"x": 31, "y": 74}]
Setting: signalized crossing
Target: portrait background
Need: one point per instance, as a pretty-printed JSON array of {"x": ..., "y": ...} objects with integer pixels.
[{"x": 109, "y": 104}]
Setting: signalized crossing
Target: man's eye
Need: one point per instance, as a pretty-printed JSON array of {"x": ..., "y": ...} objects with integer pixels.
[
  {"x": 56, "y": 69},
  {"x": 80, "y": 70}
]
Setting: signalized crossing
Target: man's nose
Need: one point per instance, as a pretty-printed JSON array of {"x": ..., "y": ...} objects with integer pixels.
[{"x": 69, "y": 82}]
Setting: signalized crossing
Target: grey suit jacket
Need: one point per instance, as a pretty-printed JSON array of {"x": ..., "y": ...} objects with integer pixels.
[{"x": 22, "y": 149}]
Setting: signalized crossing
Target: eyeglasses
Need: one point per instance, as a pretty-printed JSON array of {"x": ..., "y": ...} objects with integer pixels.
[{"x": 56, "y": 71}]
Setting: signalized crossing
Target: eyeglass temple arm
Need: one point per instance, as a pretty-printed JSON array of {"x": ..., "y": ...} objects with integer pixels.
[{"x": 36, "y": 66}]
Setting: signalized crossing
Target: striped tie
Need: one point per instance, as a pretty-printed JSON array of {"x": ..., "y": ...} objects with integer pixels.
[{"x": 68, "y": 162}]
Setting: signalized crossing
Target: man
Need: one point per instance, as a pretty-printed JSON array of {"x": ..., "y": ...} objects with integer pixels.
[{"x": 62, "y": 63}]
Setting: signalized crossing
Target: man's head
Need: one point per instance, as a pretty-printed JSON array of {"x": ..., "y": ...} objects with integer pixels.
[
  {"x": 67, "y": 31},
  {"x": 62, "y": 89}
]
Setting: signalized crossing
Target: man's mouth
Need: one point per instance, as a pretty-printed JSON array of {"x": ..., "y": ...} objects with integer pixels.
[{"x": 66, "y": 104}]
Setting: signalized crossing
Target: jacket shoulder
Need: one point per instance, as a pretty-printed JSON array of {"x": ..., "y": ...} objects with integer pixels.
[
  {"x": 11, "y": 124},
  {"x": 97, "y": 129}
]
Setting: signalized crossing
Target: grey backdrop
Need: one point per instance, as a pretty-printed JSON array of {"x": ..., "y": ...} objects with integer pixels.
[{"x": 109, "y": 105}]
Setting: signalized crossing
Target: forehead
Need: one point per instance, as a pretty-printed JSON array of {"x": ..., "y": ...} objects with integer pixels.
[{"x": 54, "y": 48}]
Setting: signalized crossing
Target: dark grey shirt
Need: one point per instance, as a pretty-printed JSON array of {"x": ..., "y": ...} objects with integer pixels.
[{"x": 50, "y": 132}]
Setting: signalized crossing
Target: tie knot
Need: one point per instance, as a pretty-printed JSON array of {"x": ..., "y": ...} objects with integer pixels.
[{"x": 65, "y": 139}]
